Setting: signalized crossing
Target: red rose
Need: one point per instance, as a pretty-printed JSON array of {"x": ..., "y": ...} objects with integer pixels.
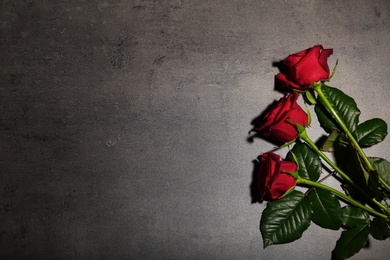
[
  {"x": 279, "y": 123},
  {"x": 305, "y": 67},
  {"x": 273, "y": 177}
]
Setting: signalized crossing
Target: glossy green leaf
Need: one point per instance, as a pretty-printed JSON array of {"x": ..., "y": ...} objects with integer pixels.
[
  {"x": 285, "y": 220},
  {"x": 326, "y": 122},
  {"x": 345, "y": 107},
  {"x": 383, "y": 168},
  {"x": 351, "y": 163},
  {"x": 353, "y": 216},
  {"x": 326, "y": 209},
  {"x": 371, "y": 132},
  {"x": 309, "y": 163},
  {"x": 373, "y": 185},
  {"x": 351, "y": 241},
  {"x": 379, "y": 229}
]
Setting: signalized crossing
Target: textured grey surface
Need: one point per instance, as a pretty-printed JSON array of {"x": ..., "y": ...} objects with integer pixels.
[{"x": 123, "y": 131}]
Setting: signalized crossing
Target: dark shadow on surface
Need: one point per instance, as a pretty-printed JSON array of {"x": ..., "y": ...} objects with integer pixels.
[
  {"x": 277, "y": 85},
  {"x": 254, "y": 190},
  {"x": 258, "y": 121},
  {"x": 321, "y": 140}
]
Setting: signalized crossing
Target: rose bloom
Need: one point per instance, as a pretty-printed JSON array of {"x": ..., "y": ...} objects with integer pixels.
[
  {"x": 305, "y": 67},
  {"x": 279, "y": 123},
  {"x": 273, "y": 177}
]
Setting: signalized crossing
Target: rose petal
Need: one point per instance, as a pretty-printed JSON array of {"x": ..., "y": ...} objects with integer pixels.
[
  {"x": 308, "y": 69},
  {"x": 282, "y": 79},
  {"x": 324, "y": 57},
  {"x": 293, "y": 59},
  {"x": 267, "y": 165},
  {"x": 281, "y": 183}
]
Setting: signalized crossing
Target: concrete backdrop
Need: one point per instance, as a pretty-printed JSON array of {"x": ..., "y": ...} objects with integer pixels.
[{"x": 123, "y": 131}]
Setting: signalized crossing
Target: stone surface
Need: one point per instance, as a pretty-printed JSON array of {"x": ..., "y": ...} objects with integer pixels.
[{"x": 123, "y": 131}]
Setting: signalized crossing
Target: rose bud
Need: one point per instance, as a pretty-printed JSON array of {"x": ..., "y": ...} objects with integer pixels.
[
  {"x": 305, "y": 67},
  {"x": 273, "y": 177},
  {"x": 279, "y": 124}
]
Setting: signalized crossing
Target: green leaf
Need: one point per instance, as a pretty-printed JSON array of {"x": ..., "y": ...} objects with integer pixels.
[
  {"x": 372, "y": 179},
  {"x": 383, "y": 168},
  {"x": 353, "y": 216},
  {"x": 371, "y": 132},
  {"x": 285, "y": 220},
  {"x": 345, "y": 107},
  {"x": 351, "y": 163},
  {"x": 309, "y": 163},
  {"x": 351, "y": 241},
  {"x": 326, "y": 209},
  {"x": 327, "y": 123},
  {"x": 379, "y": 229},
  {"x": 334, "y": 140}
]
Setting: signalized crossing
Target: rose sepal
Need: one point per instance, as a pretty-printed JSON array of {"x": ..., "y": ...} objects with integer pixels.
[
  {"x": 301, "y": 129},
  {"x": 310, "y": 96},
  {"x": 287, "y": 144},
  {"x": 287, "y": 192},
  {"x": 295, "y": 174},
  {"x": 333, "y": 72}
]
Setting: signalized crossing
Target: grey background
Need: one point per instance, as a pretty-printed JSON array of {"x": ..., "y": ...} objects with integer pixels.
[{"x": 123, "y": 131}]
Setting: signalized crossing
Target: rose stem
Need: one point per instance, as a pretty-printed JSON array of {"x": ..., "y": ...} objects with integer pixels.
[
  {"x": 319, "y": 181},
  {"x": 341, "y": 195},
  {"x": 303, "y": 135},
  {"x": 325, "y": 101}
]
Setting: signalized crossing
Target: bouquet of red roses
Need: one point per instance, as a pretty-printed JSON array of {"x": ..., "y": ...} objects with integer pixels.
[{"x": 360, "y": 206}]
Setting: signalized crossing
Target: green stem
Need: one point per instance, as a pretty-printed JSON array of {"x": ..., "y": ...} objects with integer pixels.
[
  {"x": 338, "y": 119},
  {"x": 303, "y": 135},
  {"x": 335, "y": 115},
  {"x": 384, "y": 184},
  {"x": 343, "y": 196}
]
